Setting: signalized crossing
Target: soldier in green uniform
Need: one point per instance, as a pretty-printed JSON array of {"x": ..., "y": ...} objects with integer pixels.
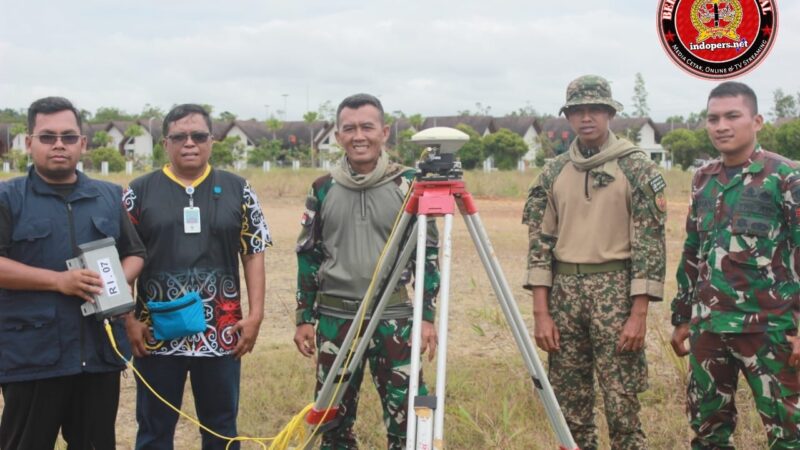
[
  {"x": 738, "y": 291},
  {"x": 349, "y": 216},
  {"x": 596, "y": 229}
]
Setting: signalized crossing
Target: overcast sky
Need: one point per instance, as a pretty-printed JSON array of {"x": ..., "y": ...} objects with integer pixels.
[{"x": 428, "y": 57}]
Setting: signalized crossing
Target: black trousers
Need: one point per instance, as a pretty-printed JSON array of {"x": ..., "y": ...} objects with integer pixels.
[{"x": 83, "y": 407}]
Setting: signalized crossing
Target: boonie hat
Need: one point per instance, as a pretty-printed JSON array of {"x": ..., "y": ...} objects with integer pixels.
[{"x": 590, "y": 90}]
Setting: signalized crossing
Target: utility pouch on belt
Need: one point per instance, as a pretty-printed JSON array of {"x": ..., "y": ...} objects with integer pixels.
[{"x": 177, "y": 318}]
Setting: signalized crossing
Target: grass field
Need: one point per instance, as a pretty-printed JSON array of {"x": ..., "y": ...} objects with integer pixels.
[{"x": 490, "y": 400}]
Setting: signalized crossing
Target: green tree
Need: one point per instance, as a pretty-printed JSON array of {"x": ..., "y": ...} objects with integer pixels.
[
  {"x": 696, "y": 119},
  {"x": 224, "y": 153},
  {"x": 525, "y": 111},
  {"x": 108, "y": 113},
  {"x": 209, "y": 108},
  {"x": 17, "y": 129},
  {"x": 787, "y": 138},
  {"x": 116, "y": 163},
  {"x": 309, "y": 118},
  {"x": 506, "y": 147},
  {"x": 134, "y": 131},
  {"x": 274, "y": 125},
  {"x": 766, "y": 137},
  {"x": 266, "y": 151},
  {"x": 159, "y": 156},
  {"x": 12, "y": 115},
  {"x": 631, "y": 134},
  {"x": 547, "y": 149},
  {"x": 406, "y": 151},
  {"x": 326, "y": 111},
  {"x": 784, "y": 105},
  {"x": 682, "y": 145},
  {"x": 416, "y": 121},
  {"x": 19, "y": 159},
  {"x": 227, "y": 116},
  {"x": 101, "y": 139},
  {"x": 675, "y": 120},
  {"x": 150, "y": 111},
  {"x": 705, "y": 149},
  {"x": 640, "y": 108},
  {"x": 471, "y": 154}
]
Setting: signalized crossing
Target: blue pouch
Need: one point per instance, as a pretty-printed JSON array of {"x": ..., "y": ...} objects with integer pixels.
[{"x": 177, "y": 318}]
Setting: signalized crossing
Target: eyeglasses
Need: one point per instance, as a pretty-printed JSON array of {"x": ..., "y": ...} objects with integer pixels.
[
  {"x": 50, "y": 139},
  {"x": 198, "y": 137}
]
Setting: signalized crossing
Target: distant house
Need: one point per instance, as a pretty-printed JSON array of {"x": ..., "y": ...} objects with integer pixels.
[
  {"x": 644, "y": 132},
  {"x": 291, "y": 134},
  {"x": 526, "y": 127}
]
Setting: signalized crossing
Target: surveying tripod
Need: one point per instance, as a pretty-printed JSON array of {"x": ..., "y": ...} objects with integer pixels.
[{"x": 432, "y": 195}]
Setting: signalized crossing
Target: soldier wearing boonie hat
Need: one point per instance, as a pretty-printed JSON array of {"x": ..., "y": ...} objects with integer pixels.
[{"x": 597, "y": 258}]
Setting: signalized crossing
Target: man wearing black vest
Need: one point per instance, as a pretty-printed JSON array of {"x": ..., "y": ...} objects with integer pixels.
[{"x": 58, "y": 370}]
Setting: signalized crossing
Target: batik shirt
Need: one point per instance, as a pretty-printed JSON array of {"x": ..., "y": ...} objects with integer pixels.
[
  {"x": 231, "y": 223},
  {"x": 738, "y": 272}
]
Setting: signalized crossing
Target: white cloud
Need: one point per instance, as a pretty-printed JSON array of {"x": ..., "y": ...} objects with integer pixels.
[{"x": 434, "y": 58}]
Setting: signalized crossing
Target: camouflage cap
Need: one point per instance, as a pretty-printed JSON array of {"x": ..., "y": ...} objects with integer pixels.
[{"x": 590, "y": 90}]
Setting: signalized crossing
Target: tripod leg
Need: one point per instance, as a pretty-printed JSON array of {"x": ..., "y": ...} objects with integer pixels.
[
  {"x": 416, "y": 331},
  {"x": 518, "y": 329},
  {"x": 444, "y": 312}
]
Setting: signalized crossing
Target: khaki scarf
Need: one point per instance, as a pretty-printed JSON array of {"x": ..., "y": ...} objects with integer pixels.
[
  {"x": 384, "y": 172},
  {"x": 602, "y": 165}
]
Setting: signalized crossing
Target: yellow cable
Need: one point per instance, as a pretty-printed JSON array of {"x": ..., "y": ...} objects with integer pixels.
[
  {"x": 362, "y": 318},
  {"x": 293, "y": 432}
]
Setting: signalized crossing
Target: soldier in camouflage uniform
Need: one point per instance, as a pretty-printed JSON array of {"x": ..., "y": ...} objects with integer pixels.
[
  {"x": 738, "y": 291},
  {"x": 349, "y": 216},
  {"x": 596, "y": 228}
]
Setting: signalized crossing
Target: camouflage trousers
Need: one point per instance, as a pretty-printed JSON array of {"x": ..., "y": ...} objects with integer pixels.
[
  {"x": 389, "y": 357},
  {"x": 714, "y": 365},
  {"x": 589, "y": 311}
]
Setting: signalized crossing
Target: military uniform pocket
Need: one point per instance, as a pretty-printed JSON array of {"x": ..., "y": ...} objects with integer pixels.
[
  {"x": 632, "y": 369},
  {"x": 750, "y": 244}
]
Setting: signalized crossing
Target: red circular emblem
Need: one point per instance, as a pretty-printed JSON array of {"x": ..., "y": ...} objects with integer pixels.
[{"x": 717, "y": 39}]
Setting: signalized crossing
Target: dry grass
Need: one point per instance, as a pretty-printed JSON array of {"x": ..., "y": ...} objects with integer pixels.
[{"x": 490, "y": 400}]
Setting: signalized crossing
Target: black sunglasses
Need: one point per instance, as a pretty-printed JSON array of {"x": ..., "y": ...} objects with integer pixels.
[
  {"x": 50, "y": 139},
  {"x": 198, "y": 137}
]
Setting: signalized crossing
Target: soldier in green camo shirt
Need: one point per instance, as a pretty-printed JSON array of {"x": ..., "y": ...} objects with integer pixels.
[
  {"x": 596, "y": 229},
  {"x": 738, "y": 287}
]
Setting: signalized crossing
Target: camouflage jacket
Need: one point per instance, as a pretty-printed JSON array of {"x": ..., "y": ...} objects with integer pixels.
[
  {"x": 738, "y": 272},
  {"x": 321, "y": 265},
  {"x": 647, "y": 214}
]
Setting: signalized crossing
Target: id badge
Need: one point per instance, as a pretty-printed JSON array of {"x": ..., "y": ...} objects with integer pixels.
[{"x": 191, "y": 220}]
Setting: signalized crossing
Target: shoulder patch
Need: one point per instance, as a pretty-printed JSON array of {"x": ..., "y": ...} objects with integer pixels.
[{"x": 657, "y": 183}]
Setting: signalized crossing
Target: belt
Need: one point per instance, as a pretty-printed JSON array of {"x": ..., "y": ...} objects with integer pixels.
[
  {"x": 351, "y": 306},
  {"x": 565, "y": 268}
]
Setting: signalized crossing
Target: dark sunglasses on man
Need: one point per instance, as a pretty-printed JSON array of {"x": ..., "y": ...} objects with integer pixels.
[
  {"x": 198, "y": 137},
  {"x": 50, "y": 139}
]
